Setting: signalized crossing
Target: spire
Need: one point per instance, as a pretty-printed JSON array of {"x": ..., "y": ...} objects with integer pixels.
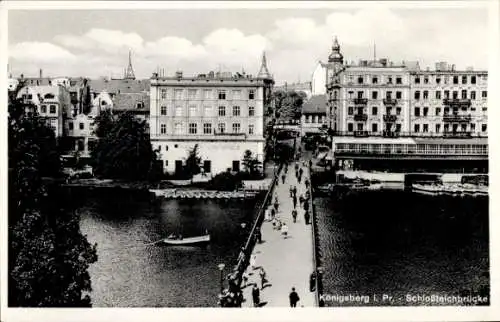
[
  {"x": 264, "y": 72},
  {"x": 335, "y": 55},
  {"x": 129, "y": 72}
]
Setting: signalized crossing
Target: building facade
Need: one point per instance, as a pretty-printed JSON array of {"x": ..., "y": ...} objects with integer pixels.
[
  {"x": 313, "y": 115},
  {"x": 221, "y": 112}
]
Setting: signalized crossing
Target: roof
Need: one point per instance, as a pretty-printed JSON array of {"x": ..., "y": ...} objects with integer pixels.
[
  {"x": 119, "y": 85},
  {"x": 128, "y": 102},
  {"x": 451, "y": 141},
  {"x": 315, "y": 105},
  {"x": 373, "y": 140}
]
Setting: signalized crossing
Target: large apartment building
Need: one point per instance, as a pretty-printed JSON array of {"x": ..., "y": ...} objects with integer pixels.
[{"x": 221, "y": 112}]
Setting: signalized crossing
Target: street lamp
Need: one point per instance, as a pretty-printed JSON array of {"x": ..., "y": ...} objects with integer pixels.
[{"x": 221, "y": 269}]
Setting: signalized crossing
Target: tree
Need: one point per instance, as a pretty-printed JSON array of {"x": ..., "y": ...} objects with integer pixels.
[
  {"x": 124, "y": 149},
  {"x": 105, "y": 124},
  {"x": 288, "y": 105},
  {"x": 251, "y": 164},
  {"x": 193, "y": 162},
  {"x": 48, "y": 256}
]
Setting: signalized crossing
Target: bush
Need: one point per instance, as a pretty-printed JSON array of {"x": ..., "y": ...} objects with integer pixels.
[{"x": 226, "y": 181}]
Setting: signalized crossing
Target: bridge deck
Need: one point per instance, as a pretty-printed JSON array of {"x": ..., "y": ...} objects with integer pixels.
[{"x": 287, "y": 262}]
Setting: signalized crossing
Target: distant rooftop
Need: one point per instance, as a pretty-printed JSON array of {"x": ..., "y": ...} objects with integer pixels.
[
  {"x": 315, "y": 105},
  {"x": 116, "y": 86},
  {"x": 208, "y": 76}
]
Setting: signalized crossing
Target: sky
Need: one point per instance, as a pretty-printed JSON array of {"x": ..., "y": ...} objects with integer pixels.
[{"x": 95, "y": 43}]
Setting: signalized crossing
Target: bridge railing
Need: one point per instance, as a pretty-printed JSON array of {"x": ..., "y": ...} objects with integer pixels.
[{"x": 315, "y": 241}]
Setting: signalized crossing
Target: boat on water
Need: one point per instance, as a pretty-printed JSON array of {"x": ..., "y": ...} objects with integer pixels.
[
  {"x": 451, "y": 189},
  {"x": 174, "y": 239}
]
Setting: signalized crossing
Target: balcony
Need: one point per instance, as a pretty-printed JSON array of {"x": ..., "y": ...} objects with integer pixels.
[
  {"x": 390, "y": 118},
  {"x": 390, "y": 134},
  {"x": 457, "y": 118},
  {"x": 361, "y": 134},
  {"x": 360, "y": 101},
  {"x": 360, "y": 117},
  {"x": 457, "y": 135},
  {"x": 457, "y": 101},
  {"x": 390, "y": 101}
]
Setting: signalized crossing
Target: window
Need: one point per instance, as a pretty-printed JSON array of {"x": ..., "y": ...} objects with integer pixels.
[
  {"x": 222, "y": 127},
  {"x": 438, "y": 111},
  {"x": 166, "y": 163},
  {"x": 484, "y": 127},
  {"x": 208, "y": 110},
  {"x": 207, "y": 128},
  {"x": 163, "y": 93},
  {"x": 178, "y": 94},
  {"x": 350, "y": 110},
  {"x": 236, "y": 127},
  {"x": 193, "y": 128},
  {"x": 350, "y": 127},
  {"x": 399, "y": 95},
  {"x": 463, "y": 127},
  {"x": 473, "y": 79},
  {"x": 360, "y": 79},
  {"x": 374, "y": 127},
  {"x": 388, "y": 95},
  {"x": 250, "y": 129},
  {"x": 446, "y": 128},
  {"x": 426, "y": 95},
  {"x": 485, "y": 108},
  {"x": 417, "y": 80},
  {"x": 446, "y": 111},
  {"x": 43, "y": 109},
  {"x": 426, "y": 80},
  {"x": 251, "y": 94},
  {"x": 438, "y": 128},
  {"x": 398, "y": 110},
  {"x": 178, "y": 128},
  {"x": 473, "y": 127},
  {"x": 360, "y": 126},
  {"x": 192, "y": 110},
  {"x": 374, "y": 110},
  {"x": 417, "y": 111},
  {"x": 417, "y": 128},
  {"x": 222, "y": 111},
  {"x": 389, "y": 79},
  {"x": 70, "y": 125},
  {"x": 398, "y": 127},
  {"x": 163, "y": 128},
  {"x": 159, "y": 148},
  {"x": 472, "y": 95},
  {"x": 360, "y": 94},
  {"x": 251, "y": 111},
  {"x": 438, "y": 80},
  {"x": 464, "y": 79},
  {"x": 139, "y": 105},
  {"x": 207, "y": 94},
  {"x": 163, "y": 110},
  {"x": 222, "y": 95},
  {"x": 399, "y": 80},
  {"x": 374, "y": 95},
  {"x": 178, "y": 111},
  {"x": 446, "y": 94},
  {"x": 455, "y": 79},
  {"x": 375, "y": 80},
  {"x": 417, "y": 95},
  {"x": 425, "y": 128},
  {"x": 236, "y": 111},
  {"x": 236, "y": 94},
  {"x": 52, "y": 109},
  {"x": 484, "y": 94},
  {"x": 455, "y": 95},
  {"x": 438, "y": 95},
  {"x": 426, "y": 111},
  {"x": 82, "y": 126},
  {"x": 192, "y": 94}
]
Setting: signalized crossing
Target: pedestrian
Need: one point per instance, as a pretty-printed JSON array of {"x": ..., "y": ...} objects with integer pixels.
[
  {"x": 267, "y": 215},
  {"x": 301, "y": 172},
  {"x": 262, "y": 274},
  {"x": 306, "y": 204},
  {"x": 284, "y": 230},
  {"x": 310, "y": 163},
  {"x": 307, "y": 183},
  {"x": 294, "y": 199},
  {"x": 294, "y": 215},
  {"x": 258, "y": 236},
  {"x": 299, "y": 178},
  {"x": 294, "y": 190},
  {"x": 307, "y": 217},
  {"x": 256, "y": 295},
  {"x": 276, "y": 204},
  {"x": 253, "y": 261},
  {"x": 286, "y": 167},
  {"x": 301, "y": 199},
  {"x": 283, "y": 177},
  {"x": 291, "y": 191},
  {"x": 294, "y": 298},
  {"x": 273, "y": 214}
]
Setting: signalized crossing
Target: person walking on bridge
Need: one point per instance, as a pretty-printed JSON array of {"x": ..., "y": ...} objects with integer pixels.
[
  {"x": 294, "y": 215},
  {"x": 294, "y": 200},
  {"x": 283, "y": 177},
  {"x": 294, "y": 298}
]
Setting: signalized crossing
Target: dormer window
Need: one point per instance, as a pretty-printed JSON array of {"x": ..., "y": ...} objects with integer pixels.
[{"x": 139, "y": 105}]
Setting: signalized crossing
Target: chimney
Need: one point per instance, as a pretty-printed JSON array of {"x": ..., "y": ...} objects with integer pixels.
[{"x": 41, "y": 73}]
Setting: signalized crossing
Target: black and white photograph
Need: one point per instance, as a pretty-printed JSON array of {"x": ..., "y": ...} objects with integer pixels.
[{"x": 323, "y": 158}]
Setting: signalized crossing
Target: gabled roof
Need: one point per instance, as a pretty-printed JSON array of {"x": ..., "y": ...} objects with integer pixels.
[
  {"x": 315, "y": 105},
  {"x": 128, "y": 102},
  {"x": 116, "y": 86}
]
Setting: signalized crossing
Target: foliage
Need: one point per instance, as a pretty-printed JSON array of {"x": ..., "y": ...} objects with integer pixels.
[
  {"x": 225, "y": 181},
  {"x": 48, "y": 256},
  {"x": 251, "y": 164},
  {"x": 288, "y": 104},
  {"x": 105, "y": 124},
  {"x": 284, "y": 152},
  {"x": 123, "y": 150},
  {"x": 193, "y": 162}
]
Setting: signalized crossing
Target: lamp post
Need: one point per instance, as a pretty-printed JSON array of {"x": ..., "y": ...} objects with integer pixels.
[{"x": 221, "y": 269}]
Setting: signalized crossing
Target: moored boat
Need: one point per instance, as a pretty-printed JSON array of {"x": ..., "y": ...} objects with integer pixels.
[{"x": 179, "y": 240}]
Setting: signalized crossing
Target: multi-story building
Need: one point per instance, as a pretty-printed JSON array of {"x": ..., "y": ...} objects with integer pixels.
[
  {"x": 313, "y": 115},
  {"x": 221, "y": 112}
]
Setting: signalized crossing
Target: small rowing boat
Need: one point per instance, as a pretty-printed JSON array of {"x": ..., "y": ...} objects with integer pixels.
[{"x": 179, "y": 240}]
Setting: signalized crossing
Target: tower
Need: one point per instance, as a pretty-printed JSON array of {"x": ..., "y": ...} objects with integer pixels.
[
  {"x": 129, "y": 72},
  {"x": 336, "y": 55},
  {"x": 264, "y": 72},
  {"x": 333, "y": 85}
]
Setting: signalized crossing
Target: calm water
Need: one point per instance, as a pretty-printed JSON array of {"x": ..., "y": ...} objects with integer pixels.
[
  {"x": 396, "y": 242},
  {"x": 131, "y": 273}
]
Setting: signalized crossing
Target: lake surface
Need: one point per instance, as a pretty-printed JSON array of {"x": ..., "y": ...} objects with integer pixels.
[
  {"x": 399, "y": 243},
  {"x": 132, "y": 271}
]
